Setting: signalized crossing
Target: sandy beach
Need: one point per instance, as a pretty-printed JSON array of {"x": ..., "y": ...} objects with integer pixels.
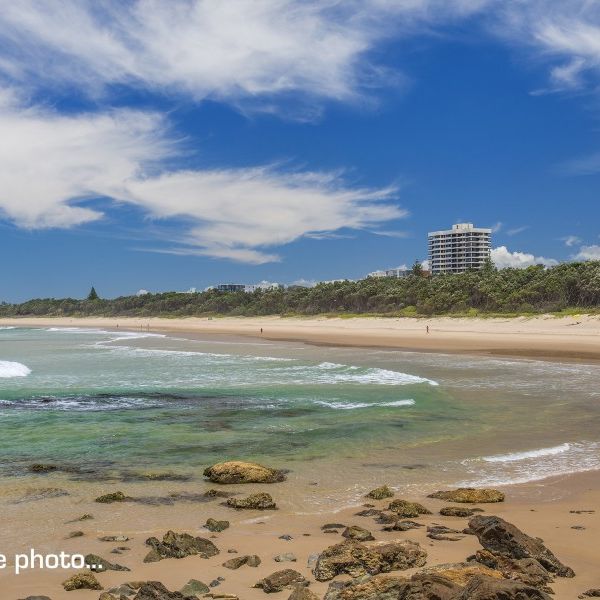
[
  {"x": 574, "y": 338},
  {"x": 44, "y": 508},
  {"x": 542, "y": 509}
]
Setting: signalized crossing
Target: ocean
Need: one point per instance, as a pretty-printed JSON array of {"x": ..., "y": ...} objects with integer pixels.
[{"x": 154, "y": 410}]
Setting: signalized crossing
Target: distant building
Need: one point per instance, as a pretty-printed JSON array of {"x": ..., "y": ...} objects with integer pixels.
[
  {"x": 244, "y": 287},
  {"x": 230, "y": 287},
  {"x": 399, "y": 273},
  {"x": 459, "y": 249}
]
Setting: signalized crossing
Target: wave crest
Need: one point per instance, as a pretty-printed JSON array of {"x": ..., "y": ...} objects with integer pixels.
[{"x": 13, "y": 369}]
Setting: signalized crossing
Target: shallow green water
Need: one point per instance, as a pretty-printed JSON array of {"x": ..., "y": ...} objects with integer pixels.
[{"x": 113, "y": 403}]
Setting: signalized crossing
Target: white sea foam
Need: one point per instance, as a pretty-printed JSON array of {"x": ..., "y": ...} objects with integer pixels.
[
  {"x": 13, "y": 369},
  {"x": 534, "y": 465},
  {"x": 336, "y": 373},
  {"x": 7, "y": 327},
  {"x": 515, "y": 456},
  {"x": 354, "y": 405}
]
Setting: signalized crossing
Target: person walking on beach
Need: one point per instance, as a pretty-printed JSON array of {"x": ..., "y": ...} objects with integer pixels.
[
  {"x": 427, "y": 328},
  {"x": 261, "y": 329}
]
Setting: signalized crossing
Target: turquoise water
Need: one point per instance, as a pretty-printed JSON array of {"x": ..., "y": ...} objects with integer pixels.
[{"x": 112, "y": 404}]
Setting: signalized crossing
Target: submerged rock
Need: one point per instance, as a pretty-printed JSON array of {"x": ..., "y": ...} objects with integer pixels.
[
  {"x": 356, "y": 559},
  {"x": 260, "y": 501},
  {"x": 42, "y": 468},
  {"x": 242, "y": 472},
  {"x": 503, "y": 538},
  {"x": 380, "y": 493},
  {"x": 408, "y": 510},
  {"x": 360, "y": 534},
  {"x": 35, "y": 494},
  {"x": 280, "y": 580},
  {"x": 214, "y": 525},
  {"x": 179, "y": 545},
  {"x": 112, "y": 497},
  {"x": 82, "y": 581},
  {"x": 469, "y": 495},
  {"x": 403, "y": 526},
  {"x": 441, "y": 532}
]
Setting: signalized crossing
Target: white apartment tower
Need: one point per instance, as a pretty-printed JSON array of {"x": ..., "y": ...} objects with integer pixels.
[{"x": 459, "y": 249}]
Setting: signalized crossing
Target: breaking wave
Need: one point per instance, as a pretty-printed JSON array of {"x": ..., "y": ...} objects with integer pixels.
[{"x": 13, "y": 369}]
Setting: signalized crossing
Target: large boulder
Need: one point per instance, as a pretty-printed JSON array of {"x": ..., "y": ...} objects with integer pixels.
[
  {"x": 179, "y": 545},
  {"x": 239, "y": 561},
  {"x": 407, "y": 510},
  {"x": 505, "y": 539},
  {"x": 235, "y": 471},
  {"x": 216, "y": 526},
  {"x": 488, "y": 588},
  {"x": 469, "y": 495},
  {"x": 356, "y": 559},
  {"x": 418, "y": 587},
  {"x": 525, "y": 570},
  {"x": 260, "y": 501},
  {"x": 280, "y": 580}
]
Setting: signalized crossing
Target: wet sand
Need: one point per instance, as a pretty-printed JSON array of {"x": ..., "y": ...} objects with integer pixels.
[
  {"x": 540, "y": 509},
  {"x": 563, "y": 339}
]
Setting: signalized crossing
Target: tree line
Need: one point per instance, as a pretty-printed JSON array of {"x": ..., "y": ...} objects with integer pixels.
[{"x": 568, "y": 286}]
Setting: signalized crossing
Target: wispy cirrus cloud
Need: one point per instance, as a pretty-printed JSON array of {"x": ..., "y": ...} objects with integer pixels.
[{"x": 52, "y": 164}]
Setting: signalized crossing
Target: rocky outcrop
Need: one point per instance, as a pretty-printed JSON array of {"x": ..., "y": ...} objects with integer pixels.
[
  {"x": 303, "y": 593},
  {"x": 98, "y": 564},
  {"x": 408, "y": 510},
  {"x": 216, "y": 526},
  {"x": 242, "y": 472},
  {"x": 441, "y": 532},
  {"x": 469, "y": 495},
  {"x": 154, "y": 590},
  {"x": 505, "y": 539},
  {"x": 400, "y": 525},
  {"x": 82, "y": 581},
  {"x": 112, "y": 497},
  {"x": 418, "y": 587},
  {"x": 239, "y": 561},
  {"x": 281, "y": 580},
  {"x": 179, "y": 545},
  {"x": 487, "y": 588},
  {"x": 360, "y": 534},
  {"x": 356, "y": 559},
  {"x": 461, "y": 573},
  {"x": 260, "y": 501},
  {"x": 380, "y": 493},
  {"x": 525, "y": 570}
]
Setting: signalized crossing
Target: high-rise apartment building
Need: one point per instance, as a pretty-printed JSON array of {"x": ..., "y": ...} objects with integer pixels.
[{"x": 459, "y": 249}]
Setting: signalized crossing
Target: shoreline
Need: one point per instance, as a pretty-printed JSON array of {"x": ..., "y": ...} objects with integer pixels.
[
  {"x": 544, "y": 508},
  {"x": 557, "y": 339}
]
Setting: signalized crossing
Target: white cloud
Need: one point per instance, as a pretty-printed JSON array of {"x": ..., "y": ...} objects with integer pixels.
[
  {"x": 571, "y": 240},
  {"x": 496, "y": 227},
  {"x": 588, "y": 253},
  {"x": 235, "y": 50},
  {"x": 239, "y": 212},
  {"x": 502, "y": 258},
  {"x": 52, "y": 163}
]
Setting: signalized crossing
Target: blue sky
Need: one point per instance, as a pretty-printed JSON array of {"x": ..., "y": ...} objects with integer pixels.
[{"x": 165, "y": 145}]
